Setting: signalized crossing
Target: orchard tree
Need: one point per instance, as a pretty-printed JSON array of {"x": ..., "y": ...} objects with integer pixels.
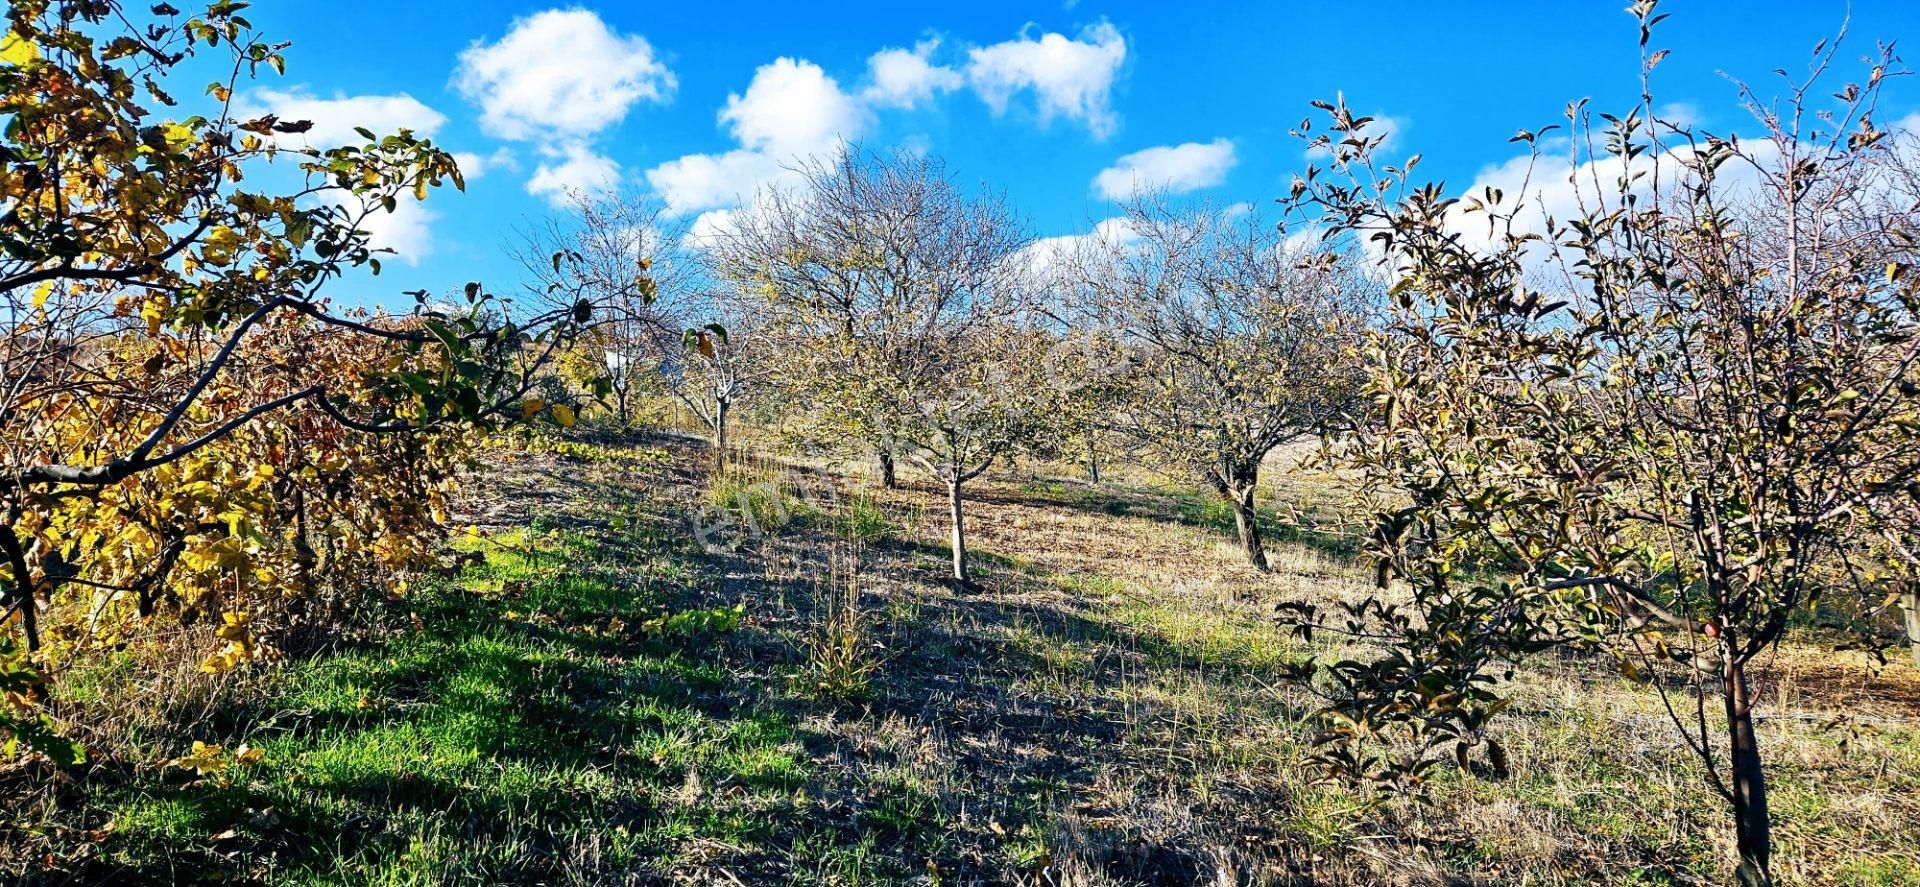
[
  {"x": 660, "y": 311},
  {"x": 723, "y": 360},
  {"x": 613, "y": 251},
  {"x": 1239, "y": 341},
  {"x": 897, "y": 299},
  {"x": 993, "y": 396},
  {"x": 1659, "y": 419},
  {"x": 1089, "y": 369},
  {"x": 1897, "y": 520},
  {"x": 146, "y": 405}
]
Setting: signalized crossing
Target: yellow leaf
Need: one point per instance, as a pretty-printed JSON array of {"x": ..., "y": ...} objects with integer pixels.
[
  {"x": 41, "y": 292},
  {"x": 223, "y": 237},
  {"x": 563, "y": 414},
  {"x": 17, "y": 50},
  {"x": 530, "y": 406},
  {"x": 177, "y": 136}
]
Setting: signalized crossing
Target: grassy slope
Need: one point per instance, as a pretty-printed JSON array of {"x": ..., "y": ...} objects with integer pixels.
[{"x": 1103, "y": 710}]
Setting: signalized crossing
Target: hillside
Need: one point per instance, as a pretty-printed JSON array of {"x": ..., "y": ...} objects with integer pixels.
[{"x": 578, "y": 703}]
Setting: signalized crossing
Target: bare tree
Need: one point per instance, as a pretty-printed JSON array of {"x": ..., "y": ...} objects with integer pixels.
[
  {"x": 701, "y": 338},
  {"x": 1240, "y": 340},
  {"x": 617, "y": 252},
  {"x": 724, "y": 359},
  {"x": 896, "y": 297}
]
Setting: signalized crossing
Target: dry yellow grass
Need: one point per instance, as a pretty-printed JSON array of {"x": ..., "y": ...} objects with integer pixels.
[{"x": 1128, "y": 604}]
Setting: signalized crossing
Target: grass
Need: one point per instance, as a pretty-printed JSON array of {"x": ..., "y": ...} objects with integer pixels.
[
  {"x": 523, "y": 727},
  {"x": 602, "y": 699}
]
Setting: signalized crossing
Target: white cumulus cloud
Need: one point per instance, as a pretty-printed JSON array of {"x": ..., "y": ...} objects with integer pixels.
[
  {"x": 561, "y": 73},
  {"x": 575, "y": 170},
  {"x": 1049, "y": 256},
  {"x": 701, "y": 181},
  {"x": 1069, "y": 77},
  {"x": 710, "y": 227},
  {"x": 792, "y": 110},
  {"x": 473, "y": 166},
  {"x": 792, "y": 106},
  {"x": 905, "y": 78},
  {"x": 1175, "y": 169},
  {"x": 334, "y": 119},
  {"x": 408, "y": 230}
]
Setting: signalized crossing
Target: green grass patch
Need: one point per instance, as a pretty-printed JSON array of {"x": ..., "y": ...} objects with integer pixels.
[{"x": 524, "y": 725}]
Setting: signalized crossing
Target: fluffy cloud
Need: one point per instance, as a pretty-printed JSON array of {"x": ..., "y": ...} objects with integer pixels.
[
  {"x": 1177, "y": 169},
  {"x": 473, "y": 166},
  {"x": 334, "y": 119},
  {"x": 1552, "y": 186},
  {"x": 1070, "y": 78},
  {"x": 710, "y": 226},
  {"x": 1047, "y": 255},
  {"x": 408, "y": 230},
  {"x": 904, "y": 78},
  {"x": 574, "y": 170},
  {"x": 701, "y": 181},
  {"x": 562, "y": 74},
  {"x": 792, "y": 107},
  {"x": 791, "y": 110}
]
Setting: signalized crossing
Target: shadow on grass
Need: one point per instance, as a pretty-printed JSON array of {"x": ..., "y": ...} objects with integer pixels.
[
  {"x": 527, "y": 722},
  {"x": 523, "y": 713},
  {"x": 1183, "y": 507}
]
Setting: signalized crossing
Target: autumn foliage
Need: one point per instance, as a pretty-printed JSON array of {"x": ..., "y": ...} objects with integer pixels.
[{"x": 189, "y": 430}]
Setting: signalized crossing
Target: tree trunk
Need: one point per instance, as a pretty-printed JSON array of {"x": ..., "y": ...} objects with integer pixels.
[
  {"x": 304, "y": 559},
  {"x": 21, "y": 591},
  {"x": 1093, "y": 460},
  {"x": 887, "y": 477},
  {"x": 720, "y": 438},
  {"x": 1911, "y": 603},
  {"x": 960, "y": 574},
  {"x": 1238, "y": 487},
  {"x": 1752, "y": 826}
]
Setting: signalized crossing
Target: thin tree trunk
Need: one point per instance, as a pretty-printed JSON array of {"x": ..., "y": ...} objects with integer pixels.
[
  {"x": 1911, "y": 603},
  {"x": 1248, "y": 524},
  {"x": 1093, "y": 460},
  {"x": 720, "y": 437},
  {"x": 887, "y": 477},
  {"x": 960, "y": 574},
  {"x": 1752, "y": 826},
  {"x": 1237, "y": 487},
  {"x": 22, "y": 595},
  {"x": 304, "y": 558}
]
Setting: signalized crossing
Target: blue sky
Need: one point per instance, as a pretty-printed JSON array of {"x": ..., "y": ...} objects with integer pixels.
[{"x": 696, "y": 103}]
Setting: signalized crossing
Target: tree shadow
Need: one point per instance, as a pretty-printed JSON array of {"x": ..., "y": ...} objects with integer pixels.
[
  {"x": 1186, "y": 508},
  {"x": 524, "y": 702}
]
